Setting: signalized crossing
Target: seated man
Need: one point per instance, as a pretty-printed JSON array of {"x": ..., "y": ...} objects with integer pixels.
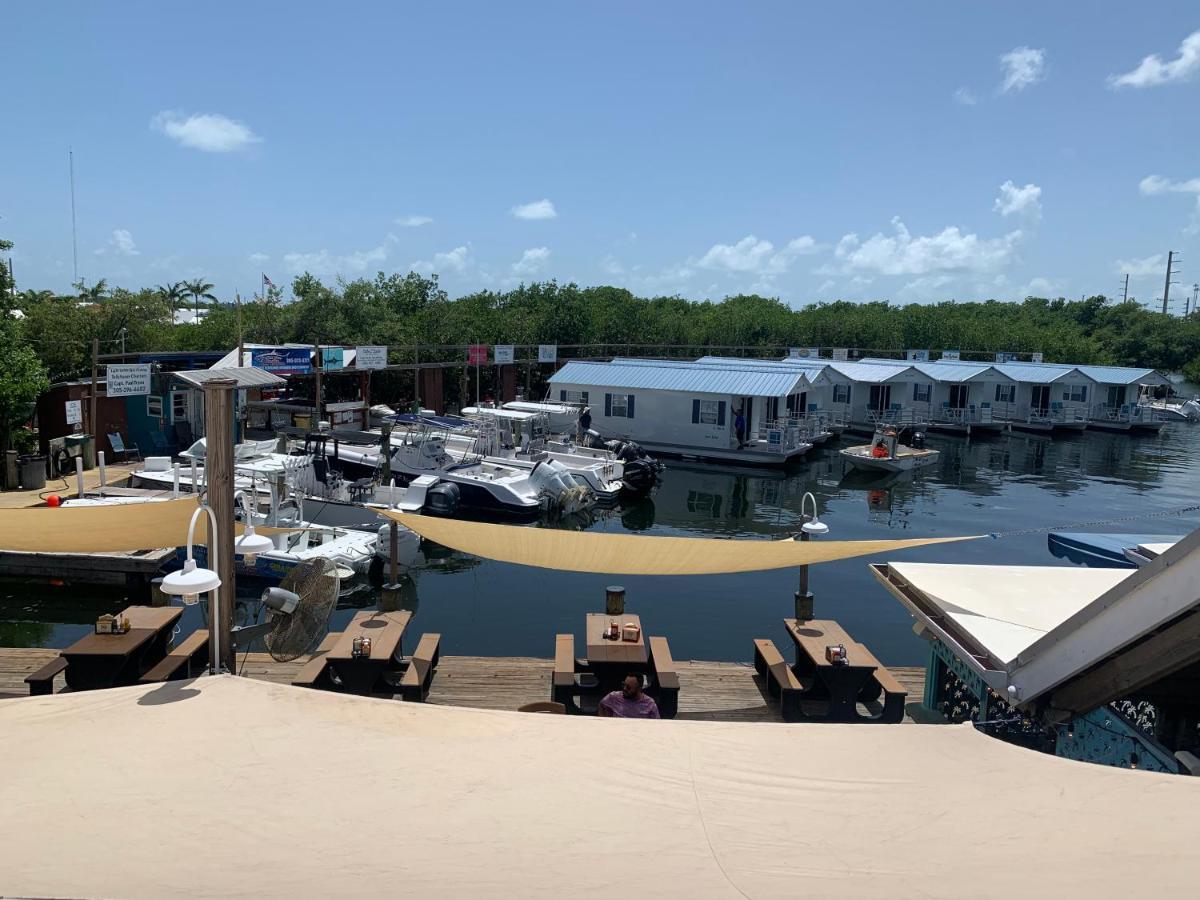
[{"x": 629, "y": 702}]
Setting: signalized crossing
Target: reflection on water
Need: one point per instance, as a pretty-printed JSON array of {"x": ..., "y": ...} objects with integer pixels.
[{"x": 1000, "y": 484}]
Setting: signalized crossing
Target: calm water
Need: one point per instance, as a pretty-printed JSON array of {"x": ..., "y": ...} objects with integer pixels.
[{"x": 999, "y": 484}]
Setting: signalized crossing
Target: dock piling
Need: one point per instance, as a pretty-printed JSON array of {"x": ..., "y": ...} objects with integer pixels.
[
  {"x": 79, "y": 476},
  {"x": 103, "y": 473}
]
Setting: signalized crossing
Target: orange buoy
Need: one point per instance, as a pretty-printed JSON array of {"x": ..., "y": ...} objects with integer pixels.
[{"x": 54, "y": 500}]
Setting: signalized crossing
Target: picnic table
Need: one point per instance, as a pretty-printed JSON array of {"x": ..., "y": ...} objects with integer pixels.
[
  {"x": 113, "y": 660},
  {"x": 609, "y": 661},
  {"x": 359, "y": 675},
  {"x": 839, "y": 687}
]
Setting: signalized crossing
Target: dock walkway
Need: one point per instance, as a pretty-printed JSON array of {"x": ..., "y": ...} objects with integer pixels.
[{"x": 715, "y": 691}]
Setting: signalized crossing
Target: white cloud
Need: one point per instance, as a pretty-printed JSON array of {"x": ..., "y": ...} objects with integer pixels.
[
  {"x": 1153, "y": 71},
  {"x": 258, "y": 258},
  {"x": 610, "y": 265},
  {"x": 1042, "y": 287},
  {"x": 322, "y": 262},
  {"x": 948, "y": 250},
  {"x": 119, "y": 244},
  {"x": 1156, "y": 184},
  {"x": 1019, "y": 200},
  {"x": 1140, "y": 268},
  {"x": 539, "y": 209},
  {"x": 413, "y": 221},
  {"x": 751, "y": 254},
  {"x": 965, "y": 96},
  {"x": 455, "y": 260},
  {"x": 532, "y": 261},
  {"x": 210, "y": 132},
  {"x": 1023, "y": 67}
]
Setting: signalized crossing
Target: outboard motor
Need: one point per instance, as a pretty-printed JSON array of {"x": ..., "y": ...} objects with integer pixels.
[
  {"x": 918, "y": 440},
  {"x": 443, "y": 499},
  {"x": 639, "y": 476}
]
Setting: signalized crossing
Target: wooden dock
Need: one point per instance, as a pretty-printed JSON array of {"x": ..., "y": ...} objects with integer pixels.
[
  {"x": 716, "y": 691},
  {"x": 67, "y": 486}
]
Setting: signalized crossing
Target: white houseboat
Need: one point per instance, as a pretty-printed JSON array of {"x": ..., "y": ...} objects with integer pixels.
[
  {"x": 960, "y": 399},
  {"x": 689, "y": 410}
]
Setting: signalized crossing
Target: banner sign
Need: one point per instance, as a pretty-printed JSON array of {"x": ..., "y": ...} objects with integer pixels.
[
  {"x": 477, "y": 355},
  {"x": 128, "y": 380},
  {"x": 74, "y": 412},
  {"x": 547, "y": 353},
  {"x": 503, "y": 354},
  {"x": 918, "y": 355},
  {"x": 370, "y": 357},
  {"x": 1004, "y": 357},
  {"x": 332, "y": 358},
  {"x": 1037, "y": 358},
  {"x": 282, "y": 360},
  {"x": 950, "y": 354},
  {"x": 804, "y": 352},
  {"x": 841, "y": 354}
]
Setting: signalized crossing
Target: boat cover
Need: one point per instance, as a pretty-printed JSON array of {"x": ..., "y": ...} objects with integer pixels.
[
  {"x": 227, "y": 787},
  {"x": 627, "y": 554}
]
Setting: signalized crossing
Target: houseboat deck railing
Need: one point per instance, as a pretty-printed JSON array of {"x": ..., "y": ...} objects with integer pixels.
[{"x": 968, "y": 415}]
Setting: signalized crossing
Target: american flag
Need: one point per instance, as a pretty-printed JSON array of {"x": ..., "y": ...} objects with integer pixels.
[{"x": 267, "y": 281}]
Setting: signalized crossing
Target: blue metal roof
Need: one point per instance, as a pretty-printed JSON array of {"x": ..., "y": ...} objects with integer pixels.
[
  {"x": 678, "y": 375},
  {"x": 950, "y": 371}
]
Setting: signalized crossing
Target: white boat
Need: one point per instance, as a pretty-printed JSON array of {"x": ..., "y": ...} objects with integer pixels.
[
  {"x": 255, "y": 463},
  {"x": 1174, "y": 410},
  {"x": 886, "y": 454}
]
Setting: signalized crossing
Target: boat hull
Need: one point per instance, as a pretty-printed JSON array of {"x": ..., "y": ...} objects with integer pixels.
[{"x": 918, "y": 459}]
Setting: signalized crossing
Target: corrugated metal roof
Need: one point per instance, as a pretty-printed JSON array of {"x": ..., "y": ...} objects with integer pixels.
[
  {"x": 691, "y": 378},
  {"x": 870, "y": 373},
  {"x": 245, "y": 376},
  {"x": 1122, "y": 375},
  {"x": 1031, "y": 373}
]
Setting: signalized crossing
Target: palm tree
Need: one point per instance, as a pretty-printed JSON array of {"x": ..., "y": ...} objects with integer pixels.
[
  {"x": 173, "y": 293},
  {"x": 198, "y": 290},
  {"x": 93, "y": 294}
]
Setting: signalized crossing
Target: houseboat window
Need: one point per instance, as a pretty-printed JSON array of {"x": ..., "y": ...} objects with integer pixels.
[
  {"x": 1006, "y": 393},
  {"x": 1076, "y": 393},
  {"x": 573, "y": 397},
  {"x": 921, "y": 393},
  {"x": 618, "y": 406},
  {"x": 179, "y": 406},
  {"x": 154, "y": 406},
  {"x": 841, "y": 393},
  {"x": 709, "y": 411},
  {"x": 703, "y": 502}
]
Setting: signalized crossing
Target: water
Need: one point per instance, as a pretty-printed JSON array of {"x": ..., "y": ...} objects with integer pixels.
[{"x": 999, "y": 484}]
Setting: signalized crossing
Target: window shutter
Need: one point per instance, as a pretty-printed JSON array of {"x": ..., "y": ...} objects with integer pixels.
[
  {"x": 1083, "y": 394},
  {"x": 695, "y": 412},
  {"x": 720, "y": 412},
  {"x": 585, "y": 400},
  {"x": 629, "y": 407},
  {"x": 1066, "y": 395},
  {"x": 916, "y": 390},
  {"x": 562, "y": 395},
  {"x": 607, "y": 405}
]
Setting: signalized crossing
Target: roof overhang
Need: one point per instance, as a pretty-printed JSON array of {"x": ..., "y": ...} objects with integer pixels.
[{"x": 245, "y": 376}]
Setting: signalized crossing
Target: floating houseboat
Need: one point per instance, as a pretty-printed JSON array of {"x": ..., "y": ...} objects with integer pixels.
[
  {"x": 689, "y": 410},
  {"x": 960, "y": 399}
]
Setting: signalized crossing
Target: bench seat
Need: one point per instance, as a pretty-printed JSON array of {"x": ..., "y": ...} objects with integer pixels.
[
  {"x": 781, "y": 681},
  {"x": 665, "y": 689},
  {"x": 41, "y": 682},
  {"x": 185, "y": 660},
  {"x": 312, "y": 673},
  {"x": 422, "y": 664}
]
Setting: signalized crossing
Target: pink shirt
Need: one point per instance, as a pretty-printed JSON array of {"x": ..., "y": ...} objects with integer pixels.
[{"x": 623, "y": 708}]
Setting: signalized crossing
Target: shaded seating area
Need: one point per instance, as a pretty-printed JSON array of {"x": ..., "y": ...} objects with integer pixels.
[
  {"x": 834, "y": 677},
  {"x": 580, "y": 683},
  {"x": 367, "y": 659}
]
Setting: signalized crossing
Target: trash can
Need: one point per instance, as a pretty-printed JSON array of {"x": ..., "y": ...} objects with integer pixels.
[
  {"x": 33, "y": 472},
  {"x": 83, "y": 445}
]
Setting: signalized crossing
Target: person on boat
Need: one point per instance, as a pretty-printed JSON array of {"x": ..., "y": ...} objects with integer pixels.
[
  {"x": 630, "y": 702},
  {"x": 585, "y": 423},
  {"x": 739, "y": 428}
]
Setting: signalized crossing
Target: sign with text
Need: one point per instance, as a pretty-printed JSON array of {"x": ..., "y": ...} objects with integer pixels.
[
  {"x": 918, "y": 355},
  {"x": 370, "y": 357},
  {"x": 1037, "y": 358},
  {"x": 841, "y": 354},
  {"x": 332, "y": 358},
  {"x": 547, "y": 353},
  {"x": 477, "y": 355},
  {"x": 1004, "y": 356},
  {"x": 950, "y": 354},
  {"x": 74, "y": 412},
  {"x": 282, "y": 360},
  {"x": 128, "y": 380},
  {"x": 804, "y": 352},
  {"x": 503, "y": 354}
]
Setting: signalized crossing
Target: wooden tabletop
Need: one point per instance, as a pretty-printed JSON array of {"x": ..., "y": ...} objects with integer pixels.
[
  {"x": 602, "y": 650},
  {"x": 156, "y": 617},
  {"x": 814, "y": 635},
  {"x": 145, "y": 622},
  {"x": 385, "y": 629}
]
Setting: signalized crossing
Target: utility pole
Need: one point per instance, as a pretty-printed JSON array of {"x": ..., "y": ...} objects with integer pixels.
[
  {"x": 1167, "y": 284},
  {"x": 92, "y": 423},
  {"x": 74, "y": 241},
  {"x": 241, "y": 342},
  {"x": 218, "y": 470},
  {"x": 317, "y": 359},
  {"x": 1125, "y": 291},
  {"x": 1188, "y": 310}
]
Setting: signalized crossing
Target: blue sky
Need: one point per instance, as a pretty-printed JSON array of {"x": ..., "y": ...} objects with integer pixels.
[{"x": 910, "y": 152}]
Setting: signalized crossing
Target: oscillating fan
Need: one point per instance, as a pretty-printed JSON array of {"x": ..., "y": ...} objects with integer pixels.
[{"x": 298, "y": 611}]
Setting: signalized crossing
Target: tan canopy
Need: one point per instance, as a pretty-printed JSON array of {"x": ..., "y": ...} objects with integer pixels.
[
  {"x": 229, "y": 787},
  {"x": 628, "y": 554}
]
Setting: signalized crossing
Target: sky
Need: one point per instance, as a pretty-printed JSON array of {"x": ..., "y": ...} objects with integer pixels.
[{"x": 905, "y": 152}]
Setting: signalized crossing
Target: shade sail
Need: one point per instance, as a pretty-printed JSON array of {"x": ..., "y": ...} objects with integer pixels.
[
  {"x": 262, "y": 790},
  {"x": 625, "y": 554},
  {"x": 120, "y": 528}
]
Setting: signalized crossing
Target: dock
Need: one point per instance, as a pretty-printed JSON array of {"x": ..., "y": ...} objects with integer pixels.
[
  {"x": 713, "y": 691},
  {"x": 115, "y": 474}
]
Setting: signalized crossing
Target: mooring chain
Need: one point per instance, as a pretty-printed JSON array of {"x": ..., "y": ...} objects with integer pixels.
[{"x": 1166, "y": 513}]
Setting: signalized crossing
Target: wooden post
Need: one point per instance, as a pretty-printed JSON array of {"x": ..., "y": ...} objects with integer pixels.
[
  {"x": 804, "y": 597},
  {"x": 218, "y": 471},
  {"x": 241, "y": 360},
  {"x": 417, "y": 378},
  {"x": 93, "y": 425}
]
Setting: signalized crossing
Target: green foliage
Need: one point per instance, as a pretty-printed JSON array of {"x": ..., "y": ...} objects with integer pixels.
[{"x": 22, "y": 379}]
